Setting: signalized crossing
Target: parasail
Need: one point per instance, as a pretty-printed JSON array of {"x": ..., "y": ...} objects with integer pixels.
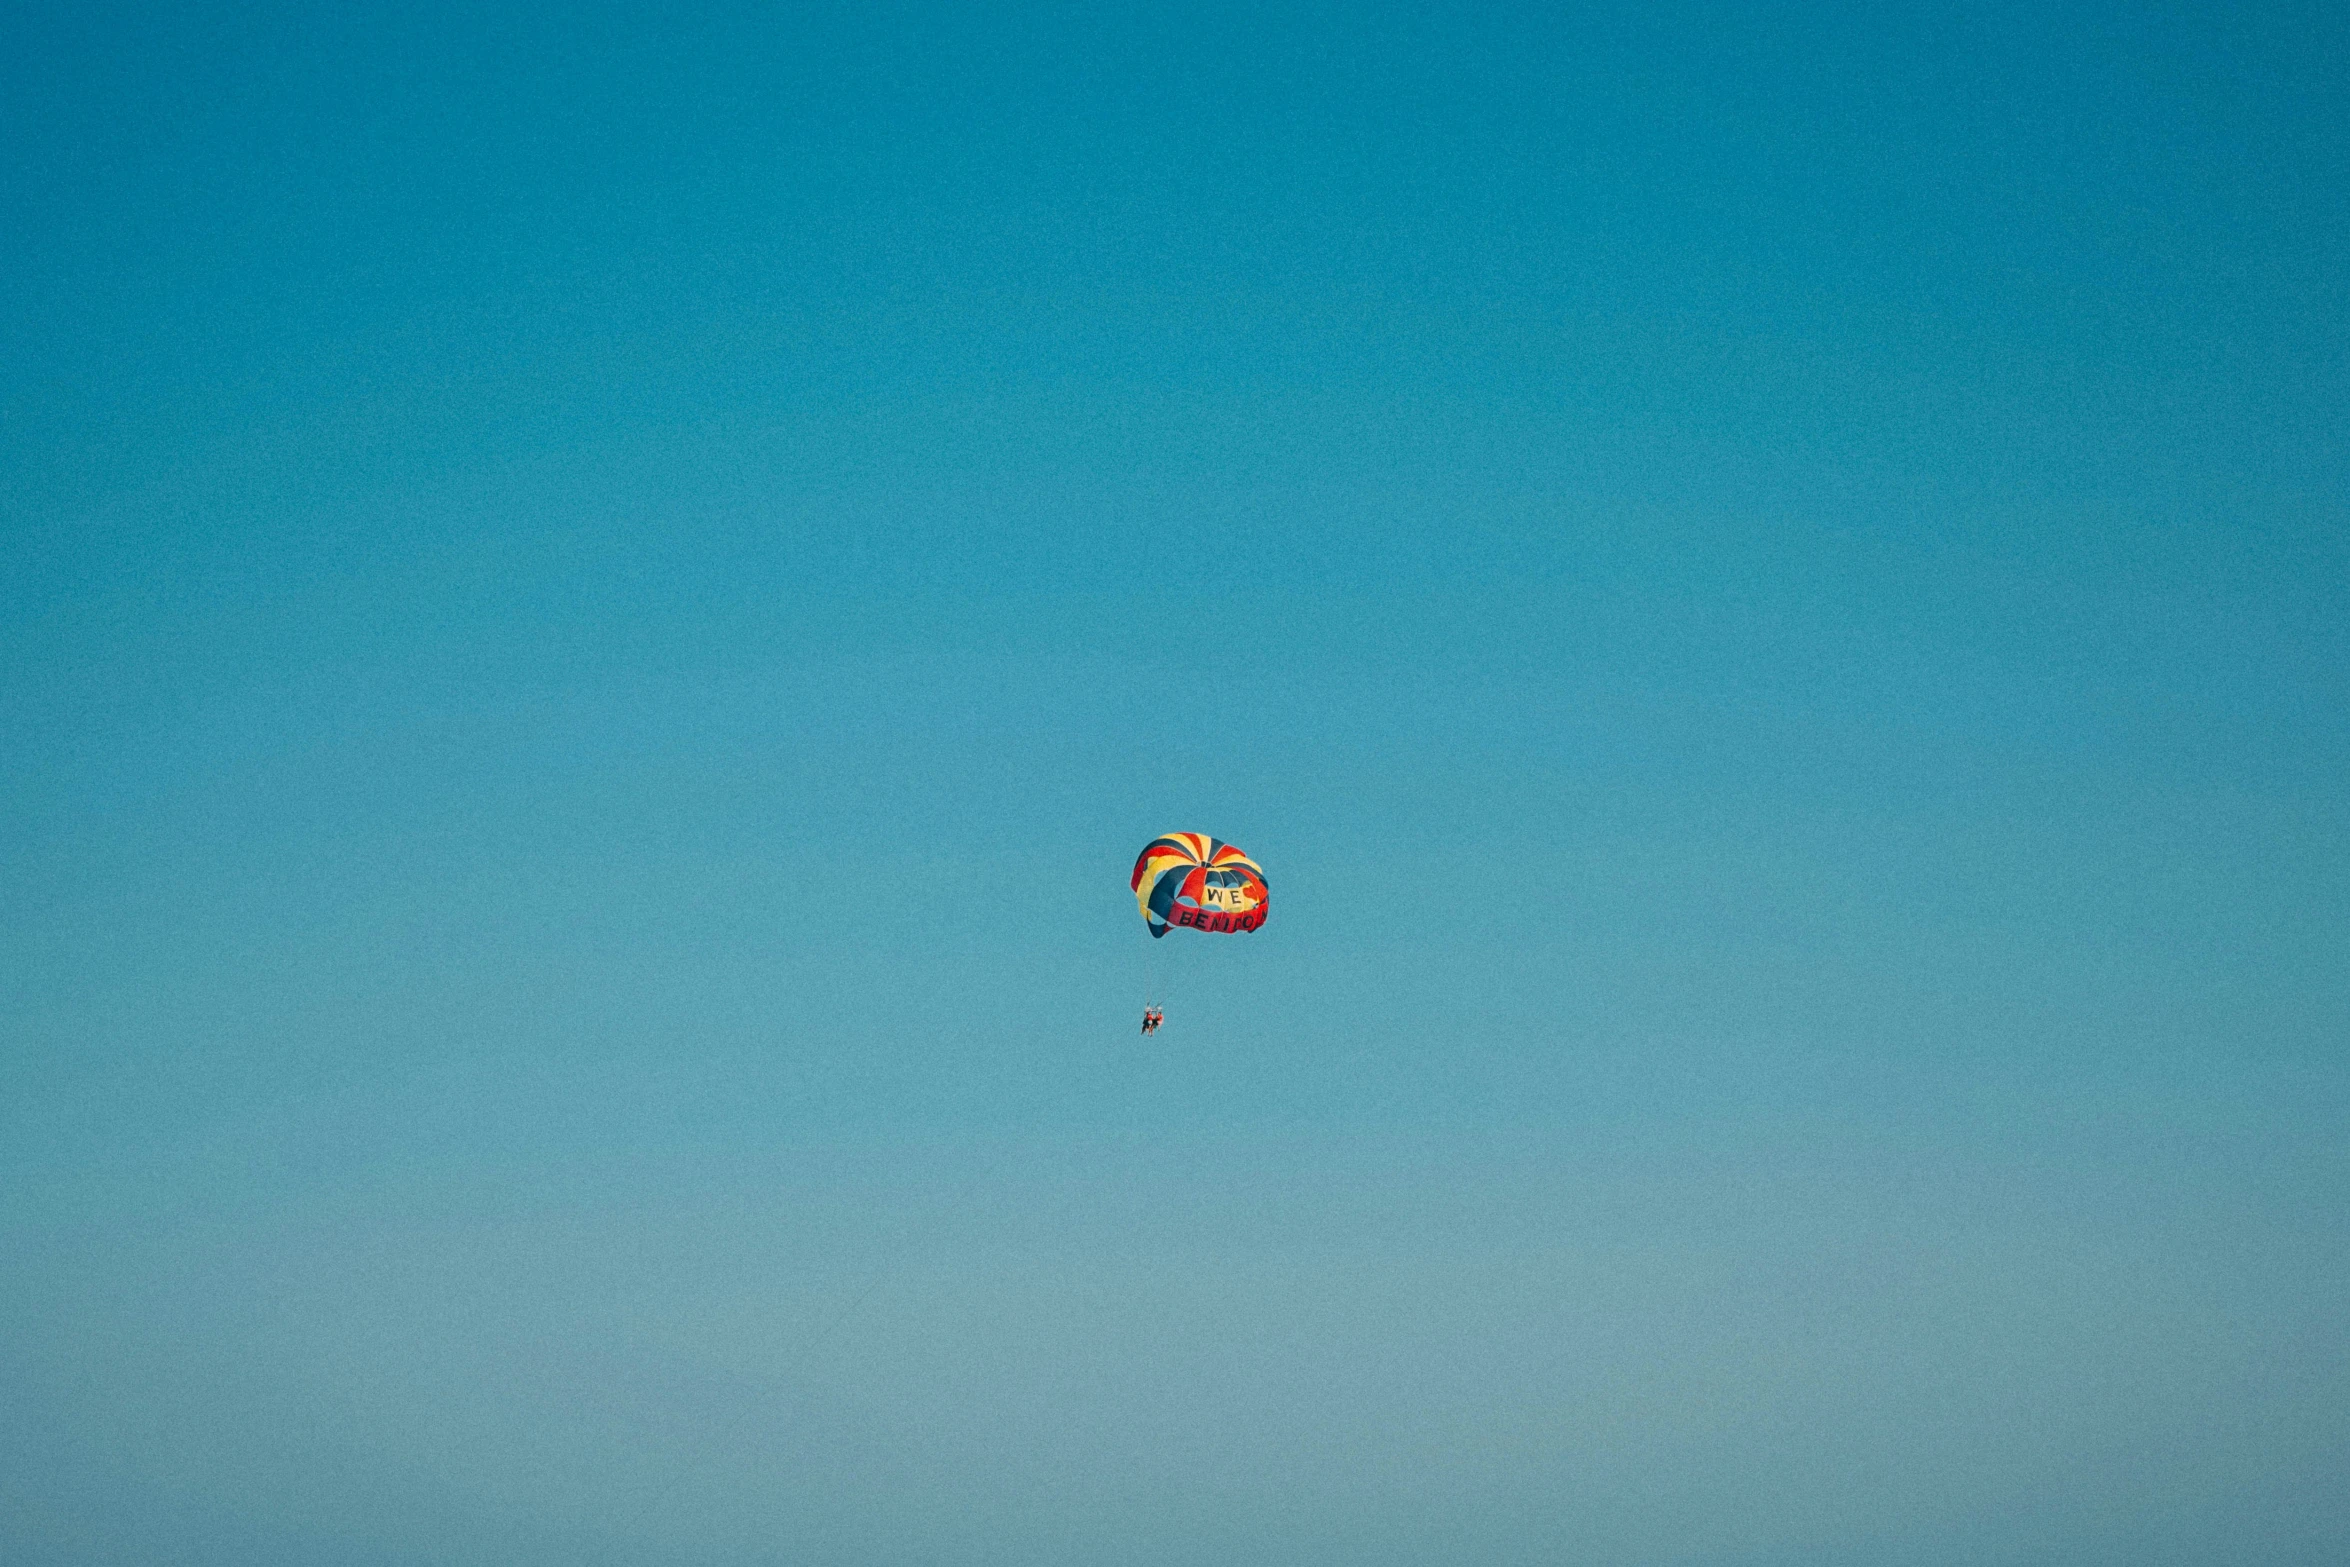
[{"x": 1193, "y": 880}]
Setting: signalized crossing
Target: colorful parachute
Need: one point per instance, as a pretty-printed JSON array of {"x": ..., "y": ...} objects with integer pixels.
[{"x": 1188, "y": 878}]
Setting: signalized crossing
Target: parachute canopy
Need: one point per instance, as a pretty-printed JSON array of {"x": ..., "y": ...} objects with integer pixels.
[{"x": 1191, "y": 879}]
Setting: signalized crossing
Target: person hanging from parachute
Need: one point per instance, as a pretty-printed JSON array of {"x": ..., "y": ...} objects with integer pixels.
[{"x": 1191, "y": 880}]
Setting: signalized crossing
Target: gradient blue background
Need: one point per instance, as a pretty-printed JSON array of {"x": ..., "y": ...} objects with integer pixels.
[{"x": 596, "y": 604}]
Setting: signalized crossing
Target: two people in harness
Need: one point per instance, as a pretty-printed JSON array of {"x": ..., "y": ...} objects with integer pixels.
[{"x": 1152, "y": 1017}]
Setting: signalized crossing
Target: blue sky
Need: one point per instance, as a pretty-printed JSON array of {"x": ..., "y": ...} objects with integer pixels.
[{"x": 597, "y": 602}]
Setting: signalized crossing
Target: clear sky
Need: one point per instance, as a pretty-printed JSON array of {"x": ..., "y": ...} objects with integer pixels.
[{"x": 595, "y": 602}]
